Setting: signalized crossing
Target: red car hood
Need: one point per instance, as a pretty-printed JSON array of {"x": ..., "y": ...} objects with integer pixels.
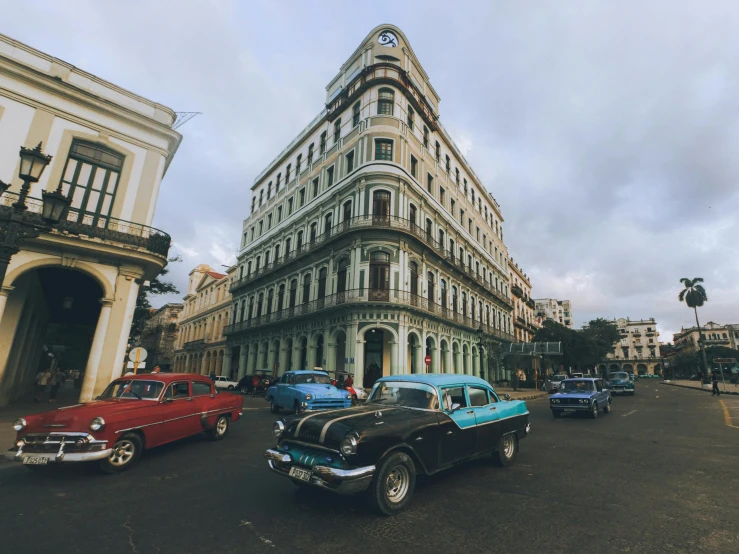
[{"x": 78, "y": 418}]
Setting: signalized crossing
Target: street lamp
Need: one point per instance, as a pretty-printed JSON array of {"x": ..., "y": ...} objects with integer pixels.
[{"x": 15, "y": 227}]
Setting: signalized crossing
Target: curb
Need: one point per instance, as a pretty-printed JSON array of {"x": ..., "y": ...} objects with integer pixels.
[
  {"x": 531, "y": 396},
  {"x": 696, "y": 388}
]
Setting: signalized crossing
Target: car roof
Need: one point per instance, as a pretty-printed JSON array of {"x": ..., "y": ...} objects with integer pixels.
[
  {"x": 166, "y": 377},
  {"x": 583, "y": 379},
  {"x": 307, "y": 372},
  {"x": 438, "y": 379}
]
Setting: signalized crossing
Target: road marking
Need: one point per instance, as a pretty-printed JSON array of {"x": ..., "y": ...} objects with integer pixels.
[
  {"x": 252, "y": 409},
  {"x": 631, "y": 412},
  {"x": 727, "y": 417}
]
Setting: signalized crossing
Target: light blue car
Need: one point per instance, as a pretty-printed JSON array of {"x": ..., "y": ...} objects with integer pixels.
[{"x": 306, "y": 391}]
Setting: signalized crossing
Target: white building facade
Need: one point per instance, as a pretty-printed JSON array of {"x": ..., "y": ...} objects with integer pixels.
[
  {"x": 372, "y": 244},
  {"x": 638, "y": 350},
  {"x": 75, "y": 287},
  {"x": 559, "y": 311}
]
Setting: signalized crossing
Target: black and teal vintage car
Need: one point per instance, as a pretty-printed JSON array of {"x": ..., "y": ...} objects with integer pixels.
[
  {"x": 410, "y": 424},
  {"x": 620, "y": 383}
]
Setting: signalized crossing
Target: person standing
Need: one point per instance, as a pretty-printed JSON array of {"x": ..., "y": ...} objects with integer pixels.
[
  {"x": 714, "y": 380},
  {"x": 42, "y": 379},
  {"x": 56, "y": 381}
]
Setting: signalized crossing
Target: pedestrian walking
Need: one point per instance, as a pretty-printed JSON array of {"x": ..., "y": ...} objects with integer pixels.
[
  {"x": 42, "y": 379},
  {"x": 714, "y": 380},
  {"x": 212, "y": 375},
  {"x": 57, "y": 380}
]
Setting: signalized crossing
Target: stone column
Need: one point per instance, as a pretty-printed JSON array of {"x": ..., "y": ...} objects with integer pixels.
[
  {"x": 351, "y": 350},
  {"x": 296, "y": 355},
  {"x": 261, "y": 353},
  {"x": 204, "y": 365},
  {"x": 271, "y": 356},
  {"x": 435, "y": 359},
  {"x": 394, "y": 366},
  {"x": 476, "y": 364},
  {"x": 418, "y": 356},
  {"x": 448, "y": 368},
  {"x": 359, "y": 361},
  {"x": 330, "y": 356},
  {"x": 252, "y": 363},
  {"x": 226, "y": 369},
  {"x": 469, "y": 362},
  {"x": 96, "y": 351},
  {"x": 458, "y": 362},
  {"x": 284, "y": 357}
]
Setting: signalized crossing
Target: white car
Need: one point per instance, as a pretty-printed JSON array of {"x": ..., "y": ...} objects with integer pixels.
[
  {"x": 223, "y": 382},
  {"x": 555, "y": 381}
]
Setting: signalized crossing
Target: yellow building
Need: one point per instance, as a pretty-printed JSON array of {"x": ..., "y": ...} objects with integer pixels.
[
  {"x": 75, "y": 287},
  {"x": 524, "y": 321},
  {"x": 201, "y": 345}
]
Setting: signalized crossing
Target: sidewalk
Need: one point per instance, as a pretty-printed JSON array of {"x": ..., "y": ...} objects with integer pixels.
[
  {"x": 521, "y": 394},
  {"x": 696, "y": 385}
]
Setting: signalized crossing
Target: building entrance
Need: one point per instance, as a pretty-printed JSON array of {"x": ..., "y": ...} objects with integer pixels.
[{"x": 373, "y": 356}]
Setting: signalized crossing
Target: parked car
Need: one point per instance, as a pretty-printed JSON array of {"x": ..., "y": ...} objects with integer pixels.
[
  {"x": 223, "y": 382},
  {"x": 581, "y": 395},
  {"x": 134, "y": 413},
  {"x": 620, "y": 383},
  {"x": 411, "y": 424},
  {"x": 555, "y": 382},
  {"x": 301, "y": 391}
]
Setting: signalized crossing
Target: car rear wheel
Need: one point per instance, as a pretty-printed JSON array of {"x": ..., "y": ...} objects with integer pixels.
[
  {"x": 220, "y": 429},
  {"x": 393, "y": 485},
  {"x": 230, "y": 387},
  {"x": 274, "y": 408},
  {"x": 594, "y": 410},
  {"x": 126, "y": 450},
  {"x": 607, "y": 408},
  {"x": 505, "y": 455}
]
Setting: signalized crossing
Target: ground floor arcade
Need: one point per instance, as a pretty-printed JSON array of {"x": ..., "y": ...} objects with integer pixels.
[
  {"x": 367, "y": 345},
  {"x": 637, "y": 367}
]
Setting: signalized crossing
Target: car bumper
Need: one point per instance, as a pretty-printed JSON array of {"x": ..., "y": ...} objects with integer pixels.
[
  {"x": 17, "y": 455},
  {"x": 621, "y": 390},
  {"x": 574, "y": 408},
  {"x": 340, "y": 481},
  {"x": 58, "y": 448},
  {"x": 307, "y": 407}
]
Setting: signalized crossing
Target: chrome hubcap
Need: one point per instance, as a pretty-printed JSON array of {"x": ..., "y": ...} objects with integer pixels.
[
  {"x": 396, "y": 485},
  {"x": 508, "y": 446},
  {"x": 122, "y": 453},
  {"x": 221, "y": 426}
]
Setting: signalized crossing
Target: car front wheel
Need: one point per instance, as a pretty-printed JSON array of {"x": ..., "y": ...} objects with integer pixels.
[
  {"x": 219, "y": 429},
  {"x": 393, "y": 485},
  {"x": 230, "y": 387},
  {"x": 594, "y": 410},
  {"x": 274, "y": 408},
  {"x": 505, "y": 455},
  {"x": 126, "y": 450}
]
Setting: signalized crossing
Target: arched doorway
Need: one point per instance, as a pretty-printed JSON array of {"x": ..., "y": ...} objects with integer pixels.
[
  {"x": 628, "y": 368},
  {"x": 431, "y": 351},
  {"x": 641, "y": 369},
  {"x": 319, "y": 361},
  {"x": 614, "y": 367},
  {"x": 374, "y": 340},
  {"x": 49, "y": 322}
]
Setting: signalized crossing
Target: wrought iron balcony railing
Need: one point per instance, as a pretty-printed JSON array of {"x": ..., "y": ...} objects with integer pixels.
[
  {"x": 363, "y": 296},
  {"x": 518, "y": 291},
  {"x": 364, "y": 222},
  {"x": 96, "y": 226}
]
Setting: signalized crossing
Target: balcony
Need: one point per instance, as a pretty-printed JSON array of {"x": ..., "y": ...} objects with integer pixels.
[
  {"x": 362, "y": 297},
  {"x": 531, "y": 304},
  {"x": 193, "y": 344},
  {"x": 636, "y": 334},
  {"x": 93, "y": 226},
  {"x": 518, "y": 291},
  {"x": 370, "y": 222}
]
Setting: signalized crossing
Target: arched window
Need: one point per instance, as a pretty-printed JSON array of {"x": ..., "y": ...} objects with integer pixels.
[
  {"x": 90, "y": 178},
  {"x": 385, "y": 101},
  {"x": 260, "y": 301},
  {"x": 412, "y": 215},
  {"x": 280, "y": 297},
  {"x": 322, "y": 275},
  {"x": 300, "y": 240},
  {"x": 431, "y": 291},
  {"x": 411, "y": 116},
  {"x": 464, "y": 303},
  {"x": 298, "y": 161},
  {"x": 413, "y": 266},
  {"x": 454, "y": 299},
  {"x": 269, "y": 187},
  {"x": 356, "y": 114},
  {"x": 429, "y": 226},
  {"x": 270, "y": 301},
  {"x": 288, "y": 244},
  {"x": 293, "y": 293},
  {"x": 328, "y": 222},
  {"x": 313, "y": 232},
  {"x": 347, "y": 211}
]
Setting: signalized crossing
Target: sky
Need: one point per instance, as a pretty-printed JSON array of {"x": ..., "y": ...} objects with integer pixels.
[{"x": 607, "y": 131}]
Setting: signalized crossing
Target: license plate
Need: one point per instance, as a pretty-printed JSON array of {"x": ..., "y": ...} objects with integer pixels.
[
  {"x": 35, "y": 460},
  {"x": 570, "y": 410},
  {"x": 300, "y": 474}
]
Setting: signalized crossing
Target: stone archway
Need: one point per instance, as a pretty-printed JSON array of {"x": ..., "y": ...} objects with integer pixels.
[{"x": 641, "y": 369}]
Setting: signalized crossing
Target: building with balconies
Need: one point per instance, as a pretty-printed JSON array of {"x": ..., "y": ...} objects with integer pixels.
[
  {"x": 712, "y": 334},
  {"x": 371, "y": 243},
  {"x": 75, "y": 287},
  {"x": 201, "y": 344},
  {"x": 160, "y": 334},
  {"x": 524, "y": 320},
  {"x": 559, "y": 311},
  {"x": 638, "y": 349}
]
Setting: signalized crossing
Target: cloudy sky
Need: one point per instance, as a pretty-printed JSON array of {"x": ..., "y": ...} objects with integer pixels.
[{"x": 608, "y": 131}]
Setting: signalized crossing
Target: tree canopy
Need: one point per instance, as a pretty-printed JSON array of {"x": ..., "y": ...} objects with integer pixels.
[
  {"x": 581, "y": 349},
  {"x": 142, "y": 312}
]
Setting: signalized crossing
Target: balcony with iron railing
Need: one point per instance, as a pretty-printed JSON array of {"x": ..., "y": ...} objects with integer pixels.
[
  {"x": 94, "y": 226},
  {"x": 518, "y": 291},
  {"x": 365, "y": 222},
  {"x": 362, "y": 297}
]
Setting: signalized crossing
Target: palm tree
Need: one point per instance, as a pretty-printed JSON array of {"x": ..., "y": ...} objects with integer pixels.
[{"x": 694, "y": 295}]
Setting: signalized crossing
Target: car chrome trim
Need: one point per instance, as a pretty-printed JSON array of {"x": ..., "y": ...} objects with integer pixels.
[
  {"x": 311, "y": 445},
  {"x": 277, "y": 456},
  {"x": 196, "y": 414},
  {"x": 67, "y": 457},
  {"x": 487, "y": 422}
]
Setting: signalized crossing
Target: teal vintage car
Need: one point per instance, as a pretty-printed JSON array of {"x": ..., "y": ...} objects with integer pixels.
[{"x": 620, "y": 383}]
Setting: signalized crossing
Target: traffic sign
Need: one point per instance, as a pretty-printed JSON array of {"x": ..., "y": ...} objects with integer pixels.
[
  {"x": 137, "y": 354},
  {"x": 427, "y": 360}
]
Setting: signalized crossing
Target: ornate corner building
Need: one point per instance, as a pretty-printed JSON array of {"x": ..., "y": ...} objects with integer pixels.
[
  {"x": 371, "y": 243},
  {"x": 638, "y": 350},
  {"x": 73, "y": 288}
]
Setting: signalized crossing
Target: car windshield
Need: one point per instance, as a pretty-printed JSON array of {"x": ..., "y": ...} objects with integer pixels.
[
  {"x": 133, "y": 388},
  {"x": 573, "y": 385},
  {"x": 312, "y": 379},
  {"x": 621, "y": 376},
  {"x": 408, "y": 395}
]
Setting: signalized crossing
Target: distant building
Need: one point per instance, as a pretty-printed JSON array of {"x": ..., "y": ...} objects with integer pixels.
[
  {"x": 159, "y": 336},
  {"x": 713, "y": 334},
  {"x": 555, "y": 310},
  {"x": 524, "y": 320},
  {"x": 201, "y": 345},
  {"x": 638, "y": 350}
]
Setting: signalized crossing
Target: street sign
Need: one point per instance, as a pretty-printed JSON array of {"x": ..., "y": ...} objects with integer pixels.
[
  {"x": 427, "y": 360},
  {"x": 137, "y": 355},
  {"x": 131, "y": 365}
]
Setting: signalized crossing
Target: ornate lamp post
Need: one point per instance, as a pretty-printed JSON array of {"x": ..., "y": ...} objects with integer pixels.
[{"x": 16, "y": 226}]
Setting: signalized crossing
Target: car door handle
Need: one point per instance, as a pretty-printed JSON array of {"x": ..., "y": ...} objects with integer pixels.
[
  {"x": 450, "y": 432},
  {"x": 493, "y": 408},
  {"x": 470, "y": 411}
]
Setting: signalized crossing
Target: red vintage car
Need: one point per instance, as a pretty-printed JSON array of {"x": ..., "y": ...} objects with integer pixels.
[{"x": 135, "y": 412}]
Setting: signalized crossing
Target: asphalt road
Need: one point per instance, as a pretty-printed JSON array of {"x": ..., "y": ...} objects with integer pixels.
[{"x": 660, "y": 473}]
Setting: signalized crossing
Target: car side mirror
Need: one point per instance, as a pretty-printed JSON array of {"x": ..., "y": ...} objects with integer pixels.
[
  {"x": 506, "y": 396},
  {"x": 166, "y": 401},
  {"x": 456, "y": 407}
]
